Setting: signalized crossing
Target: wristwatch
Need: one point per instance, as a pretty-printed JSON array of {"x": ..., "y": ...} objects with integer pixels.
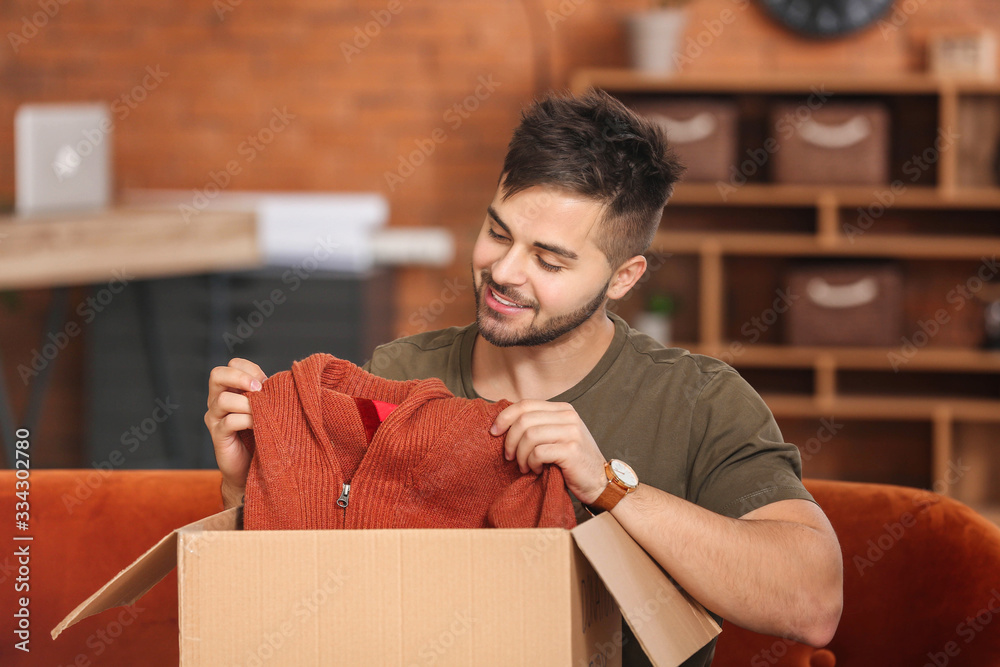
[{"x": 622, "y": 481}]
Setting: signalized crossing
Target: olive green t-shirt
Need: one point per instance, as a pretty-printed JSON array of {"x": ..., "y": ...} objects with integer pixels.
[{"x": 687, "y": 423}]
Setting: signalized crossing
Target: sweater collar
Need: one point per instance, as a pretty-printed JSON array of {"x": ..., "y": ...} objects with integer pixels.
[{"x": 322, "y": 371}]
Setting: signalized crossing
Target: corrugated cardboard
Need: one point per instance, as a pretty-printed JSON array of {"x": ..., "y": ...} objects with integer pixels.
[{"x": 412, "y": 597}]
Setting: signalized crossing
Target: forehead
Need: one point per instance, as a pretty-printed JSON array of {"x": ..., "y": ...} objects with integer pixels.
[{"x": 549, "y": 213}]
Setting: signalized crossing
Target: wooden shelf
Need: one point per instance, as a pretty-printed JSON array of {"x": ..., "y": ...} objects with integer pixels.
[
  {"x": 631, "y": 80},
  {"x": 948, "y": 216},
  {"x": 767, "y": 244},
  {"x": 89, "y": 248},
  {"x": 845, "y": 196},
  {"x": 854, "y": 358},
  {"x": 883, "y": 408}
]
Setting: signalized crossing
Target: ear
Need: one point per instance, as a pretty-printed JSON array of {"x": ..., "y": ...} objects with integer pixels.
[{"x": 626, "y": 276}]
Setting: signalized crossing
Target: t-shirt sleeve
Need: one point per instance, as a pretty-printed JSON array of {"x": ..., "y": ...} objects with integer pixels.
[
  {"x": 389, "y": 361},
  {"x": 739, "y": 459}
]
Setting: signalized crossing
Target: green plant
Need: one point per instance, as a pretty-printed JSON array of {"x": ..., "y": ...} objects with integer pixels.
[{"x": 661, "y": 302}]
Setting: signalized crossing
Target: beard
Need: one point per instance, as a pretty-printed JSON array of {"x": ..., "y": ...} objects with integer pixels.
[{"x": 491, "y": 323}]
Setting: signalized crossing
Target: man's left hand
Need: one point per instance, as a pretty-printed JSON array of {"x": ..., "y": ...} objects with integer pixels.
[{"x": 540, "y": 432}]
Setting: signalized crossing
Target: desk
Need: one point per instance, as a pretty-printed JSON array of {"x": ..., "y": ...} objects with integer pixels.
[
  {"x": 100, "y": 247},
  {"x": 80, "y": 249}
]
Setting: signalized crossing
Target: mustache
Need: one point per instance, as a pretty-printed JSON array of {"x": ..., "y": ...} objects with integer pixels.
[{"x": 515, "y": 297}]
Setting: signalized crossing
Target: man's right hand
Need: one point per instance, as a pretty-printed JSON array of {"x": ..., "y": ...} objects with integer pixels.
[{"x": 229, "y": 412}]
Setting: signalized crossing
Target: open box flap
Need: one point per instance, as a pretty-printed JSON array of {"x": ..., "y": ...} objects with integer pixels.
[
  {"x": 145, "y": 572},
  {"x": 669, "y": 624}
]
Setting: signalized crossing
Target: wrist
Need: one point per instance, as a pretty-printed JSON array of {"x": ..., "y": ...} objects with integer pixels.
[
  {"x": 232, "y": 495},
  {"x": 621, "y": 481},
  {"x": 597, "y": 491}
]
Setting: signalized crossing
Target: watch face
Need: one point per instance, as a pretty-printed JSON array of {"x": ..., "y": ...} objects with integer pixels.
[
  {"x": 625, "y": 473},
  {"x": 826, "y": 18}
]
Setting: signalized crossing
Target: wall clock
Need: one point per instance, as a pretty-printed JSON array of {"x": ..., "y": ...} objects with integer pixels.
[{"x": 826, "y": 18}]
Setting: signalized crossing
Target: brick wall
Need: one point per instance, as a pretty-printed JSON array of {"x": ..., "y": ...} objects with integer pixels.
[{"x": 360, "y": 86}]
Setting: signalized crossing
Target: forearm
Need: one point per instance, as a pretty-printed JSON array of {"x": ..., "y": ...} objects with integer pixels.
[{"x": 772, "y": 577}]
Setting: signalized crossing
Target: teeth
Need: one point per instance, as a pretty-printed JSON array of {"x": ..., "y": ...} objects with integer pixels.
[{"x": 503, "y": 300}]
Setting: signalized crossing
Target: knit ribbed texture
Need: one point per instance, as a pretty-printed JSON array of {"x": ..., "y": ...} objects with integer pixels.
[{"x": 431, "y": 464}]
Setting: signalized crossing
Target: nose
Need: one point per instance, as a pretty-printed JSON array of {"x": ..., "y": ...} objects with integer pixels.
[{"x": 509, "y": 268}]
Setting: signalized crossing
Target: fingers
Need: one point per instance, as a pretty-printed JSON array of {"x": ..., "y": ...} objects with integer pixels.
[
  {"x": 540, "y": 433},
  {"x": 223, "y": 428},
  {"x": 233, "y": 422},
  {"x": 229, "y": 412},
  {"x": 248, "y": 367},
  {"x": 228, "y": 406},
  {"x": 232, "y": 402},
  {"x": 541, "y": 444},
  {"x": 545, "y": 413},
  {"x": 511, "y": 413},
  {"x": 226, "y": 403},
  {"x": 239, "y": 375},
  {"x": 539, "y": 456}
]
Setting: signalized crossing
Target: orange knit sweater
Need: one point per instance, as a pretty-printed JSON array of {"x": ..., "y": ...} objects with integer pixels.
[{"x": 431, "y": 464}]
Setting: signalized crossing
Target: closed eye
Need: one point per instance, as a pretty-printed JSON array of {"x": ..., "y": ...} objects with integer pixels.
[
  {"x": 498, "y": 237},
  {"x": 541, "y": 262},
  {"x": 549, "y": 267}
]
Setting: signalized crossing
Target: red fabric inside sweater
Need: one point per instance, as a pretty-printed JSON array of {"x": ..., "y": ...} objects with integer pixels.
[
  {"x": 373, "y": 413},
  {"x": 383, "y": 409},
  {"x": 369, "y": 416}
]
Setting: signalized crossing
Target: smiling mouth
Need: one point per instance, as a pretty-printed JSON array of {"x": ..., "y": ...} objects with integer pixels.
[{"x": 504, "y": 301}]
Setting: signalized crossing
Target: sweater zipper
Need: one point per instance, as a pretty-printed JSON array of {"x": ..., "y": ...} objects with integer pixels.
[{"x": 343, "y": 499}]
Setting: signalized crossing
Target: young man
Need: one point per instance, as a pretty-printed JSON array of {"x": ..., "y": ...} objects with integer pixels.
[{"x": 719, "y": 501}]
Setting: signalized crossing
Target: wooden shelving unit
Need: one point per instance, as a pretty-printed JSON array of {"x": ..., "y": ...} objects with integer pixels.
[
  {"x": 617, "y": 80},
  {"x": 764, "y": 244},
  {"x": 834, "y": 197},
  {"x": 856, "y": 358},
  {"x": 948, "y": 218}
]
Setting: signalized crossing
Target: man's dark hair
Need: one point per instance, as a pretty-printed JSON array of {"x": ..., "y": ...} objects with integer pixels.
[{"x": 595, "y": 146}]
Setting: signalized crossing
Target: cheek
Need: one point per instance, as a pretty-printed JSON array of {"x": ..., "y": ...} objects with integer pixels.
[
  {"x": 565, "y": 295},
  {"x": 483, "y": 255},
  {"x": 555, "y": 295}
]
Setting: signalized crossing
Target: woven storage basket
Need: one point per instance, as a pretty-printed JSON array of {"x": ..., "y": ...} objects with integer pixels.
[
  {"x": 842, "y": 304},
  {"x": 701, "y": 131},
  {"x": 839, "y": 144}
]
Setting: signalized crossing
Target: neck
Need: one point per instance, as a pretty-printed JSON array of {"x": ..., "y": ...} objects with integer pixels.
[{"x": 541, "y": 371}]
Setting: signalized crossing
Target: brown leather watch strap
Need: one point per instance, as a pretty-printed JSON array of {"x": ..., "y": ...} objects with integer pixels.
[
  {"x": 610, "y": 497},
  {"x": 612, "y": 494}
]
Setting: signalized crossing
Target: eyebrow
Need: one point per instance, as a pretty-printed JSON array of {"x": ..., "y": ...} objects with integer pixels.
[{"x": 555, "y": 249}]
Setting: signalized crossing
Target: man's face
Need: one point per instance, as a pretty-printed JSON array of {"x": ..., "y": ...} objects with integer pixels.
[{"x": 537, "y": 271}]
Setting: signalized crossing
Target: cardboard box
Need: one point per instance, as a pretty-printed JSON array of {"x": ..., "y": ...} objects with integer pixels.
[{"x": 412, "y": 597}]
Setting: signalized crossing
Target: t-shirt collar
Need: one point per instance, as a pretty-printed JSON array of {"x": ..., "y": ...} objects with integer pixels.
[{"x": 579, "y": 389}]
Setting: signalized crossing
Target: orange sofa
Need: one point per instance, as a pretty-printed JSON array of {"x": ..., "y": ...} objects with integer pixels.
[{"x": 922, "y": 573}]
